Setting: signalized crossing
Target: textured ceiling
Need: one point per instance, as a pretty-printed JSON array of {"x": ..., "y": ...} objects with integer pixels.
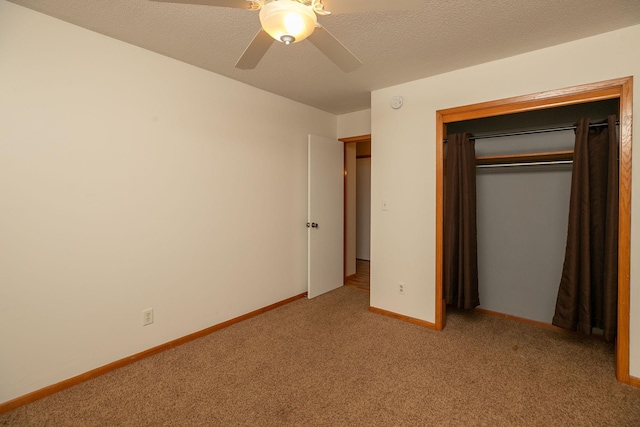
[{"x": 394, "y": 47}]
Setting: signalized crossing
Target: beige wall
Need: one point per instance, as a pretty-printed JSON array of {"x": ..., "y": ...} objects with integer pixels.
[
  {"x": 129, "y": 180},
  {"x": 403, "y": 168},
  {"x": 354, "y": 124}
]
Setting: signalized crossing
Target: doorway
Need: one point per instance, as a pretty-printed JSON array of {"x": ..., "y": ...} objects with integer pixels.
[
  {"x": 620, "y": 89},
  {"x": 357, "y": 211}
]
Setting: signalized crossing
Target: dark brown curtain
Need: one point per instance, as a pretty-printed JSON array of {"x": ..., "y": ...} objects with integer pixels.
[
  {"x": 460, "y": 232},
  {"x": 588, "y": 292}
]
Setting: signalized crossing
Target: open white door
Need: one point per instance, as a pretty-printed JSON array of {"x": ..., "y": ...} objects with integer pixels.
[{"x": 325, "y": 215}]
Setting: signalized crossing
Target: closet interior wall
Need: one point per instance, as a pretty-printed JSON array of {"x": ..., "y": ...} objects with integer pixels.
[{"x": 522, "y": 211}]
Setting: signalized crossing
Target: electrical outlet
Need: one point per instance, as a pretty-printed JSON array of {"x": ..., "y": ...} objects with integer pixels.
[
  {"x": 401, "y": 288},
  {"x": 147, "y": 316}
]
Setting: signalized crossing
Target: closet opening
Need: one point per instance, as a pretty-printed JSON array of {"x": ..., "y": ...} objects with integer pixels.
[{"x": 529, "y": 154}]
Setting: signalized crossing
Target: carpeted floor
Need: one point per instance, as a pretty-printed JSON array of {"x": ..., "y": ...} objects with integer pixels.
[{"x": 330, "y": 362}]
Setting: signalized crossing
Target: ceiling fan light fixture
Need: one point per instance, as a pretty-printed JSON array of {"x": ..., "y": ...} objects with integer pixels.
[{"x": 288, "y": 21}]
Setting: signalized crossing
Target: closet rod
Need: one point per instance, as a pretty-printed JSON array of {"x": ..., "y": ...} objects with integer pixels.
[
  {"x": 507, "y": 165},
  {"x": 532, "y": 131}
]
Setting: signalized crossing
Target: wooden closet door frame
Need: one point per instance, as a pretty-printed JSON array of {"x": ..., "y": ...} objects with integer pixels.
[{"x": 621, "y": 89}]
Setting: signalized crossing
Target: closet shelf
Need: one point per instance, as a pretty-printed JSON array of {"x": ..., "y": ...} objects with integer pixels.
[{"x": 525, "y": 158}]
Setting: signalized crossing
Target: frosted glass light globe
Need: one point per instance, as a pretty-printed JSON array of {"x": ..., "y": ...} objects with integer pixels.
[{"x": 287, "y": 20}]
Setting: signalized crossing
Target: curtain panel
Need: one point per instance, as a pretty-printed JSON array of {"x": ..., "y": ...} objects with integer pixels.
[
  {"x": 460, "y": 273},
  {"x": 588, "y": 292}
]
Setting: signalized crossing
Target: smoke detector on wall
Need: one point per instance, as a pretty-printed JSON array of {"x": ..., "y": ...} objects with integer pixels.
[{"x": 396, "y": 102}]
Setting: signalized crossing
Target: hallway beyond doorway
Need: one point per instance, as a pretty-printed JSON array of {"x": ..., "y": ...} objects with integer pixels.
[{"x": 360, "y": 280}]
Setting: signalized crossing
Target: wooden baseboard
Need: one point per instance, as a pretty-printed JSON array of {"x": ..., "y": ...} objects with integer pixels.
[
  {"x": 54, "y": 388},
  {"x": 633, "y": 381},
  {"x": 403, "y": 317}
]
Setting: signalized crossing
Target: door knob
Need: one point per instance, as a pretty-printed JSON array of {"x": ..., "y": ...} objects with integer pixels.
[{"x": 314, "y": 225}]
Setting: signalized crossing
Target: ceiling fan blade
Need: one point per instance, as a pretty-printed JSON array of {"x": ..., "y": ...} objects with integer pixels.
[
  {"x": 353, "y": 6},
  {"x": 255, "y": 51},
  {"x": 236, "y": 4},
  {"x": 334, "y": 50}
]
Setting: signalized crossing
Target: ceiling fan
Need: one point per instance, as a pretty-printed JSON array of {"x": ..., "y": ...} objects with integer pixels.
[{"x": 292, "y": 21}]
